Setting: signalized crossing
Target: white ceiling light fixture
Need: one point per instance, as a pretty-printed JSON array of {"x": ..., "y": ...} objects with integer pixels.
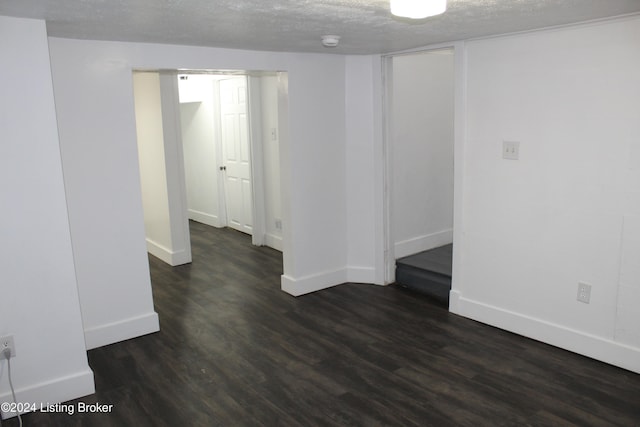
[
  {"x": 418, "y": 9},
  {"x": 330, "y": 41}
]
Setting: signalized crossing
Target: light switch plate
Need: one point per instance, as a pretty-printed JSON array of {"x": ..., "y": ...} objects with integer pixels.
[{"x": 511, "y": 150}]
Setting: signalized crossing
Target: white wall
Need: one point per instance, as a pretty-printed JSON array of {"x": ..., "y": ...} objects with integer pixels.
[
  {"x": 174, "y": 168},
  {"x": 568, "y": 210},
  {"x": 39, "y": 301},
  {"x": 421, "y": 148},
  {"x": 315, "y": 189},
  {"x": 153, "y": 176},
  {"x": 363, "y": 179},
  {"x": 199, "y": 136},
  {"x": 93, "y": 81},
  {"x": 96, "y": 122}
]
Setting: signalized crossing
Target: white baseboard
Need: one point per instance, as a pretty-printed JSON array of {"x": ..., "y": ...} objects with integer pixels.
[
  {"x": 423, "y": 243},
  {"x": 313, "y": 283},
  {"x": 273, "y": 241},
  {"x": 165, "y": 254},
  {"x": 328, "y": 279},
  {"x": 454, "y": 302},
  {"x": 58, "y": 390},
  {"x": 204, "y": 218},
  {"x": 180, "y": 258},
  {"x": 593, "y": 346},
  {"x": 361, "y": 275},
  {"x": 119, "y": 331}
]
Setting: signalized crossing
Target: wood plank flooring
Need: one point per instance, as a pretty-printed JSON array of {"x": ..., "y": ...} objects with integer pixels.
[{"x": 234, "y": 350}]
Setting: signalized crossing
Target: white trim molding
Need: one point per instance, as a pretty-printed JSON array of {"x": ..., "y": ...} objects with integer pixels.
[
  {"x": 205, "y": 218},
  {"x": 317, "y": 282},
  {"x": 54, "y": 391},
  {"x": 362, "y": 275},
  {"x": 172, "y": 258},
  {"x": 599, "y": 348},
  {"x": 312, "y": 283},
  {"x": 273, "y": 241},
  {"x": 122, "y": 330}
]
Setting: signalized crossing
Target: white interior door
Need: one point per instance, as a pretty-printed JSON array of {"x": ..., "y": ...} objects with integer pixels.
[{"x": 236, "y": 153}]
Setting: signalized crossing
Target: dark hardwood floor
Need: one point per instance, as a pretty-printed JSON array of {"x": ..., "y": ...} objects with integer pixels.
[{"x": 234, "y": 350}]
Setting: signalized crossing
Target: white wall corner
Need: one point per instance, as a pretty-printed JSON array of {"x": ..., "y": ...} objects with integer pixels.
[
  {"x": 120, "y": 331},
  {"x": 312, "y": 283},
  {"x": 423, "y": 243},
  {"x": 57, "y": 390},
  {"x": 40, "y": 287},
  {"x": 589, "y": 345}
]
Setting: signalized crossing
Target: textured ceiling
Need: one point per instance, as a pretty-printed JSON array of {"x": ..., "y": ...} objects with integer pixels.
[{"x": 365, "y": 26}]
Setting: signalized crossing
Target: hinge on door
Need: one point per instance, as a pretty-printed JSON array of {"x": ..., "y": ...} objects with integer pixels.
[{"x": 223, "y": 168}]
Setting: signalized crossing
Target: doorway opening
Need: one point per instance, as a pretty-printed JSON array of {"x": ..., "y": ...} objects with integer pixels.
[
  {"x": 419, "y": 173},
  {"x": 208, "y": 143}
]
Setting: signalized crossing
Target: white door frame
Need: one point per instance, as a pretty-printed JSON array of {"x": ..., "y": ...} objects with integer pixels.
[
  {"x": 256, "y": 157},
  {"x": 458, "y": 157},
  {"x": 217, "y": 121},
  {"x": 387, "y": 170}
]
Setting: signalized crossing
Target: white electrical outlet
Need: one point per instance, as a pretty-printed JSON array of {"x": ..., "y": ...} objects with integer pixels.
[
  {"x": 584, "y": 292},
  {"x": 510, "y": 150},
  {"x": 7, "y": 342},
  {"x": 278, "y": 224}
]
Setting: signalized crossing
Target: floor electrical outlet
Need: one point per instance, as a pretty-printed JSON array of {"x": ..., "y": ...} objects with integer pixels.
[
  {"x": 584, "y": 292},
  {"x": 7, "y": 342}
]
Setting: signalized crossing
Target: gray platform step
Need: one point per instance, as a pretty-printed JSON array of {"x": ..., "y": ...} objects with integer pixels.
[{"x": 427, "y": 272}]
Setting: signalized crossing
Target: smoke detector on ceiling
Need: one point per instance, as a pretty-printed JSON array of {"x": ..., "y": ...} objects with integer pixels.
[{"x": 330, "y": 41}]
